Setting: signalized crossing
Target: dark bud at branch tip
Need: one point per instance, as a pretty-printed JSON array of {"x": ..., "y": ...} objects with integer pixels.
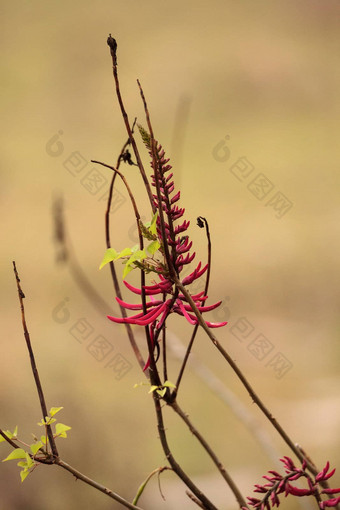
[
  {"x": 112, "y": 43},
  {"x": 200, "y": 222}
]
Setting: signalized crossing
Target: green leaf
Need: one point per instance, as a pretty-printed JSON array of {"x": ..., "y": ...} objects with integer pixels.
[
  {"x": 24, "y": 473},
  {"x": 109, "y": 256},
  {"x": 43, "y": 439},
  {"x": 55, "y": 410},
  {"x": 161, "y": 392},
  {"x": 61, "y": 429},
  {"x": 153, "y": 247},
  {"x": 35, "y": 447},
  {"x": 153, "y": 225},
  {"x": 18, "y": 453},
  {"x": 153, "y": 388},
  {"x": 29, "y": 461},
  {"x": 127, "y": 270},
  {"x": 46, "y": 421},
  {"x": 169, "y": 384},
  {"x": 8, "y": 434},
  {"x": 138, "y": 255},
  {"x": 124, "y": 253}
]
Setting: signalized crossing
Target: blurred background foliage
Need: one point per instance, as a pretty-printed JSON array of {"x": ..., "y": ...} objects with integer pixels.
[{"x": 264, "y": 77}]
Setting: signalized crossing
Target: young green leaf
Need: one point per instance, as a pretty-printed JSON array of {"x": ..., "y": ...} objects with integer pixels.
[
  {"x": 36, "y": 447},
  {"x": 153, "y": 225},
  {"x": 46, "y": 421},
  {"x": 137, "y": 256},
  {"x": 61, "y": 429},
  {"x": 24, "y": 473},
  {"x": 29, "y": 461},
  {"x": 55, "y": 410},
  {"x": 18, "y": 453},
  {"x": 127, "y": 269},
  {"x": 161, "y": 392},
  {"x": 109, "y": 256},
  {"x": 153, "y": 247},
  {"x": 169, "y": 384},
  {"x": 153, "y": 388}
]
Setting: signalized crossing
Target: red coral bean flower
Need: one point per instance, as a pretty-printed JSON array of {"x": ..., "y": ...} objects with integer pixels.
[{"x": 164, "y": 297}]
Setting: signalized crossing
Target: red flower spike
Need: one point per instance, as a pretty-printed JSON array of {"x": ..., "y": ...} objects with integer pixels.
[{"x": 158, "y": 310}]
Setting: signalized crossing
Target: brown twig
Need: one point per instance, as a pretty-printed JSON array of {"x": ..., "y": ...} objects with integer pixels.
[
  {"x": 8, "y": 439},
  {"x": 33, "y": 364},
  {"x": 253, "y": 395},
  {"x": 113, "y": 48},
  {"x": 96, "y": 485},
  {"x": 208, "y": 505},
  {"x": 112, "y": 268},
  {"x": 241, "y": 501},
  {"x": 206, "y": 288}
]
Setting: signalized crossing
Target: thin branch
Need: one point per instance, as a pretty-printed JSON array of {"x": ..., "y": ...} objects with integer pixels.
[
  {"x": 33, "y": 364},
  {"x": 253, "y": 395},
  {"x": 200, "y": 220},
  {"x": 220, "y": 389},
  {"x": 156, "y": 471},
  {"x": 112, "y": 267},
  {"x": 96, "y": 485},
  {"x": 239, "y": 498},
  {"x": 195, "y": 500},
  {"x": 8, "y": 439},
  {"x": 208, "y": 505},
  {"x": 113, "y": 48}
]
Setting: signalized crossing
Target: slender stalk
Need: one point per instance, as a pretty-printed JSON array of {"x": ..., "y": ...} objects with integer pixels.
[
  {"x": 112, "y": 267},
  {"x": 33, "y": 364},
  {"x": 96, "y": 485},
  {"x": 253, "y": 395},
  {"x": 206, "y": 288},
  {"x": 241, "y": 501},
  {"x": 195, "y": 500},
  {"x": 113, "y": 48},
  {"x": 208, "y": 505}
]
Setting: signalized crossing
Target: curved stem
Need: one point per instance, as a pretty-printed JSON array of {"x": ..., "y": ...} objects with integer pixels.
[
  {"x": 112, "y": 267},
  {"x": 153, "y": 372}
]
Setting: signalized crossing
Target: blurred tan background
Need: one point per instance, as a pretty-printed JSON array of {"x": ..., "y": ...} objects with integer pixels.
[{"x": 261, "y": 76}]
